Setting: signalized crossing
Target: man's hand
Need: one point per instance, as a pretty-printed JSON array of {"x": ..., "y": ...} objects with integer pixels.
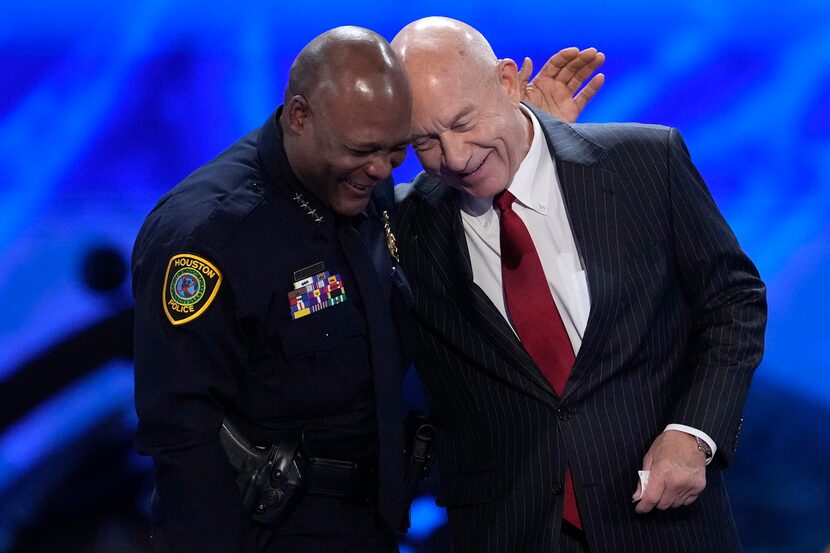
[
  {"x": 678, "y": 472},
  {"x": 554, "y": 88}
]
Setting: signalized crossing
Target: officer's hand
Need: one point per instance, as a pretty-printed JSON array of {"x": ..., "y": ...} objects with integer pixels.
[
  {"x": 553, "y": 88},
  {"x": 678, "y": 472}
]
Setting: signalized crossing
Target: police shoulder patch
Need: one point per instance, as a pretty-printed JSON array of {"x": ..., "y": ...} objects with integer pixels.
[{"x": 190, "y": 286}]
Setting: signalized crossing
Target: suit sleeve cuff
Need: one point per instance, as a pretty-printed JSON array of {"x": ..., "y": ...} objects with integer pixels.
[{"x": 697, "y": 433}]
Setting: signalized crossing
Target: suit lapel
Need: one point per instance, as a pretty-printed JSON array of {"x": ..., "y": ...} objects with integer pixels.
[
  {"x": 588, "y": 192},
  {"x": 592, "y": 211},
  {"x": 447, "y": 248}
]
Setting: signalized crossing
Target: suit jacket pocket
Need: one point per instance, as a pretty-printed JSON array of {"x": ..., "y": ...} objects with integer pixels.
[{"x": 468, "y": 488}]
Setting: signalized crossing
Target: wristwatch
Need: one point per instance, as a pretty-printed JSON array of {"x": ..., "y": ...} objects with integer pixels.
[{"x": 704, "y": 447}]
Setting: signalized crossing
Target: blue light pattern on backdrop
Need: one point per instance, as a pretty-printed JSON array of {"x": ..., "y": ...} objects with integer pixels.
[{"x": 105, "y": 106}]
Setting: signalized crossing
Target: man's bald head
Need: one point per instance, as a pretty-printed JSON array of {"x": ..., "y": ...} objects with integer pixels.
[
  {"x": 347, "y": 61},
  {"x": 346, "y": 116},
  {"x": 467, "y": 126},
  {"x": 443, "y": 42}
]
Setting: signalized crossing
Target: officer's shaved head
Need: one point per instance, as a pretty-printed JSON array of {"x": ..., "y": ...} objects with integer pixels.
[
  {"x": 347, "y": 60},
  {"x": 346, "y": 116}
]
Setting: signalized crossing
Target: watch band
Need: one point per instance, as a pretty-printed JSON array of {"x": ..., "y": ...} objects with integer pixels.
[{"x": 704, "y": 448}]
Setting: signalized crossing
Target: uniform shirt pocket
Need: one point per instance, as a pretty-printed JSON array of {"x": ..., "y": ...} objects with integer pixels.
[{"x": 325, "y": 366}]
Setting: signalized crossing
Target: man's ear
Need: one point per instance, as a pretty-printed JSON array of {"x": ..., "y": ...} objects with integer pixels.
[
  {"x": 298, "y": 113},
  {"x": 508, "y": 73}
]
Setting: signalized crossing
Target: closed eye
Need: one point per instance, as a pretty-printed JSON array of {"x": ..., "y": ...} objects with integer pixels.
[
  {"x": 360, "y": 153},
  {"x": 424, "y": 144}
]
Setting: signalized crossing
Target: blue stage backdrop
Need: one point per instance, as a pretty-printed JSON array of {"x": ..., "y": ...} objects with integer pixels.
[{"x": 106, "y": 105}]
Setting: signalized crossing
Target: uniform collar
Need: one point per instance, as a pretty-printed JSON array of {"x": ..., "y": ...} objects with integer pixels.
[{"x": 282, "y": 179}]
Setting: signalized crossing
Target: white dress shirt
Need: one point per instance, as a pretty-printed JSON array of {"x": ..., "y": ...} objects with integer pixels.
[{"x": 541, "y": 207}]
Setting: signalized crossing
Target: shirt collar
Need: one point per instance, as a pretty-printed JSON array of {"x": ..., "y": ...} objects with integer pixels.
[{"x": 525, "y": 185}]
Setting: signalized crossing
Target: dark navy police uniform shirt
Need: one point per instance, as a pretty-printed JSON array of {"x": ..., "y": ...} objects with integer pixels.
[{"x": 213, "y": 266}]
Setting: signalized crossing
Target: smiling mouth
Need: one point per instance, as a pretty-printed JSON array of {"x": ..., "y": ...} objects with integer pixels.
[
  {"x": 480, "y": 165},
  {"x": 360, "y": 188}
]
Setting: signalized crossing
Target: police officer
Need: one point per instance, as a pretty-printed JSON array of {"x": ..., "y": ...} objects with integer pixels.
[{"x": 262, "y": 286}]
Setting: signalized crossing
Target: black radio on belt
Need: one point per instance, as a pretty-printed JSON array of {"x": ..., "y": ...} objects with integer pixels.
[{"x": 268, "y": 477}]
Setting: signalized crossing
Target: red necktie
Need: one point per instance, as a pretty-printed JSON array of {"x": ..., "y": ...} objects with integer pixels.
[{"x": 534, "y": 313}]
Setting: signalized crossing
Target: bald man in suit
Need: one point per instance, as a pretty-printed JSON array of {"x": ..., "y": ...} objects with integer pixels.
[{"x": 583, "y": 315}]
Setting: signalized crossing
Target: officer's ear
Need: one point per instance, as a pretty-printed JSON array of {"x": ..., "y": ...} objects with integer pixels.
[{"x": 298, "y": 113}]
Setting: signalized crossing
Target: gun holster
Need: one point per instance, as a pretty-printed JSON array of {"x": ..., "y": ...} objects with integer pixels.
[{"x": 268, "y": 477}]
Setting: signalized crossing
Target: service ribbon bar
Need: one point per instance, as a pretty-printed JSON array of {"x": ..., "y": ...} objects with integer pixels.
[{"x": 323, "y": 290}]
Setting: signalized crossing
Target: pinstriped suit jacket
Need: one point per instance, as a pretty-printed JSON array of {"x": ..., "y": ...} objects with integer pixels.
[{"x": 674, "y": 334}]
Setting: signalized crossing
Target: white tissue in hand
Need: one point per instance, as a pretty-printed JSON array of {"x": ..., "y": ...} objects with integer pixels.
[{"x": 643, "y": 483}]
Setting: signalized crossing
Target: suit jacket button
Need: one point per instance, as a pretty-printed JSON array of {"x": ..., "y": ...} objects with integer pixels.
[
  {"x": 556, "y": 488},
  {"x": 563, "y": 413}
]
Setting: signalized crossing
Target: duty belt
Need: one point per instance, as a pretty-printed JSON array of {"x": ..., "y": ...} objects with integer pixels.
[
  {"x": 354, "y": 481},
  {"x": 349, "y": 480}
]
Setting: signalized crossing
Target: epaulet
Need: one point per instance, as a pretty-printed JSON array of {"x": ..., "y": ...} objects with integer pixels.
[{"x": 221, "y": 225}]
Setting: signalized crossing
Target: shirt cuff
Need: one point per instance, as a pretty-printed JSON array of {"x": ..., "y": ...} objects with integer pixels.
[{"x": 698, "y": 433}]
